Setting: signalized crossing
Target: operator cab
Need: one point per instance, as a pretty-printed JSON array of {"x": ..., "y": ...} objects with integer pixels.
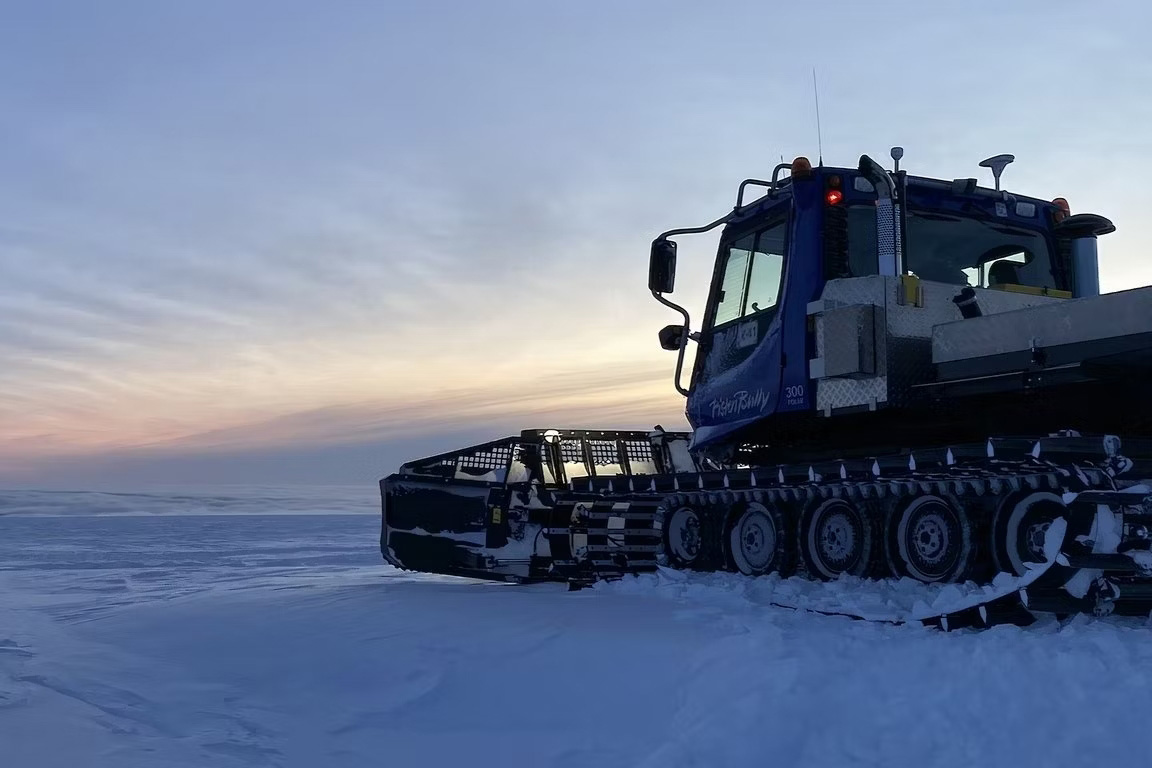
[
  {"x": 778, "y": 253},
  {"x": 953, "y": 232}
]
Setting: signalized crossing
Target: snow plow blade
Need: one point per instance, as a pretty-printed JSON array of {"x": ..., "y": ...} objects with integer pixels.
[{"x": 488, "y": 511}]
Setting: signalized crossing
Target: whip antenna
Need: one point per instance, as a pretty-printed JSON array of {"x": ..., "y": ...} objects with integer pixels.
[{"x": 819, "y": 137}]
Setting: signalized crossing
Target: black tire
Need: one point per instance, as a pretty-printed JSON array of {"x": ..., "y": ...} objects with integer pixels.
[
  {"x": 1019, "y": 526},
  {"x": 930, "y": 539},
  {"x": 837, "y": 536},
  {"x": 758, "y": 540},
  {"x": 683, "y": 537}
]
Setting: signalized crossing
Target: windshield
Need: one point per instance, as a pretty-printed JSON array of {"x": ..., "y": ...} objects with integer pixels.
[{"x": 984, "y": 254}]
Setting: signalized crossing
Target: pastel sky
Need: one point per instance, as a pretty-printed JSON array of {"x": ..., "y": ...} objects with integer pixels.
[{"x": 302, "y": 242}]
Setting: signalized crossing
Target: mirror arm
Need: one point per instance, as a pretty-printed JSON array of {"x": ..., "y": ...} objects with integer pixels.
[
  {"x": 686, "y": 334},
  {"x": 683, "y": 339},
  {"x": 697, "y": 230}
]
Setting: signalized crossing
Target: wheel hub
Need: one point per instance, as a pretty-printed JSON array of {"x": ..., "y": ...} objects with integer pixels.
[
  {"x": 1022, "y": 528},
  {"x": 684, "y": 535},
  {"x": 757, "y": 540},
  {"x": 1034, "y": 538},
  {"x": 837, "y": 538},
  {"x": 934, "y": 539},
  {"x": 930, "y": 538}
]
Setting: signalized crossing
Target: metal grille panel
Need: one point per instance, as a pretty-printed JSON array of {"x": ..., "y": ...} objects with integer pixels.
[
  {"x": 494, "y": 457},
  {"x": 639, "y": 455},
  {"x": 605, "y": 457},
  {"x": 571, "y": 452}
]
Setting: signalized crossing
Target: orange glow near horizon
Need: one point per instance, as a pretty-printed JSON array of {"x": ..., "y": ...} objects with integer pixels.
[{"x": 344, "y": 397}]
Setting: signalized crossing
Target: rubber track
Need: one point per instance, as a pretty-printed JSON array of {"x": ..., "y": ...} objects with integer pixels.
[{"x": 993, "y": 477}]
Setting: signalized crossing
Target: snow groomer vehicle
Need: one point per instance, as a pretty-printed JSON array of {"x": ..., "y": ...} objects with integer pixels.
[{"x": 895, "y": 376}]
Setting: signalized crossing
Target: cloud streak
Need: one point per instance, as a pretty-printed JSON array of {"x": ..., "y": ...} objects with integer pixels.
[{"x": 367, "y": 226}]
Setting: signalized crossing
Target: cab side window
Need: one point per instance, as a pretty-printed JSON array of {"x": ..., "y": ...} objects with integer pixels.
[
  {"x": 766, "y": 271},
  {"x": 753, "y": 271},
  {"x": 731, "y": 303}
]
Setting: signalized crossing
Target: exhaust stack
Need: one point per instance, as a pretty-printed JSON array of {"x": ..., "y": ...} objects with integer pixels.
[{"x": 1083, "y": 229}]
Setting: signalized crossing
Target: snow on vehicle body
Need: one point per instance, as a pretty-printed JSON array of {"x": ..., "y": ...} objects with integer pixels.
[{"x": 895, "y": 376}]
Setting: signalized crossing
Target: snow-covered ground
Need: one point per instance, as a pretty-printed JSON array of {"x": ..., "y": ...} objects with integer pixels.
[
  {"x": 201, "y": 639},
  {"x": 229, "y": 500}
]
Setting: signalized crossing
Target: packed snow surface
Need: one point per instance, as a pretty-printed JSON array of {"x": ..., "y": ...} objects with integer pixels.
[
  {"x": 228, "y": 500},
  {"x": 209, "y": 639}
]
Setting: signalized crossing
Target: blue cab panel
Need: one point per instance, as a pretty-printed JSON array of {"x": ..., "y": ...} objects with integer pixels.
[{"x": 755, "y": 364}]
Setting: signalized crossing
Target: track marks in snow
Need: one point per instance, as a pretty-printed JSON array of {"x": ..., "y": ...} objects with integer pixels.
[
  {"x": 221, "y": 728},
  {"x": 247, "y": 754},
  {"x": 239, "y": 735},
  {"x": 13, "y": 648},
  {"x": 727, "y": 694},
  {"x": 13, "y": 693},
  {"x": 126, "y": 711},
  {"x": 403, "y": 694}
]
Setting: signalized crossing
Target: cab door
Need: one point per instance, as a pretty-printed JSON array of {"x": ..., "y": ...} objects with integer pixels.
[{"x": 736, "y": 378}]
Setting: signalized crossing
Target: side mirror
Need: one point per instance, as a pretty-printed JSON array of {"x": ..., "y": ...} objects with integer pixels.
[
  {"x": 662, "y": 268},
  {"x": 671, "y": 336}
]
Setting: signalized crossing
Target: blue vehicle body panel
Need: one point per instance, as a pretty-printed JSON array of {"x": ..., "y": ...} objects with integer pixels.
[
  {"x": 737, "y": 384},
  {"x": 804, "y": 286}
]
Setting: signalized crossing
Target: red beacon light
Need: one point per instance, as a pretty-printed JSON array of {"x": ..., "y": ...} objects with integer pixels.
[
  {"x": 1063, "y": 210},
  {"x": 801, "y": 168},
  {"x": 832, "y": 193}
]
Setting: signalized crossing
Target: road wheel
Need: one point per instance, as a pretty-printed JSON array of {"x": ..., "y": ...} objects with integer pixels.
[
  {"x": 930, "y": 539},
  {"x": 837, "y": 537},
  {"x": 1019, "y": 526},
  {"x": 682, "y": 538},
  {"x": 757, "y": 540}
]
